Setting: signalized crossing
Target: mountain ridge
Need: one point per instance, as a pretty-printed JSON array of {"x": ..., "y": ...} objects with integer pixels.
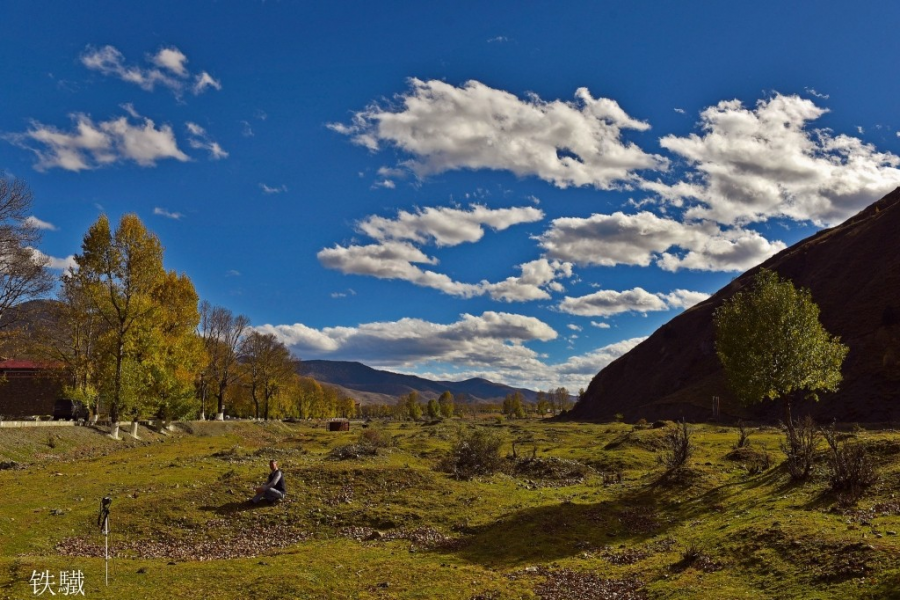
[
  {"x": 853, "y": 273},
  {"x": 370, "y": 385}
]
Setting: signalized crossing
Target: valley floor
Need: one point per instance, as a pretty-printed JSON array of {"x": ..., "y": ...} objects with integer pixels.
[{"x": 584, "y": 511}]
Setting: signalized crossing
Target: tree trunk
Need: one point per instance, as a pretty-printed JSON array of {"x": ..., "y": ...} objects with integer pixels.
[
  {"x": 134, "y": 429},
  {"x": 220, "y": 415},
  {"x": 114, "y": 430},
  {"x": 789, "y": 421}
]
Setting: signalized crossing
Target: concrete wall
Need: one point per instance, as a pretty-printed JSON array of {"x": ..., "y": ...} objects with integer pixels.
[{"x": 10, "y": 424}]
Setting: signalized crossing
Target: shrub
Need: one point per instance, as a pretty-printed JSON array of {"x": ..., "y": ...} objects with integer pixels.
[
  {"x": 375, "y": 437},
  {"x": 677, "y": 446},
  {"x": 475, "y": 452},
  {"x": 800, "y": 448},
  {"x": 353, "y": 451},
  {"x": 851, "y": 469},
  {"x": 753, "y": 459}
]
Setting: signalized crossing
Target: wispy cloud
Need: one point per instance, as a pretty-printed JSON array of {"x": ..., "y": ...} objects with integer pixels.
[
  {"x": 199, "y": 139},
  {"x": 168, "y": 70},
  {"x": 273, "y": 190},
  {"x": 500, "y": 39},
  {"x": 161, "y": 212}
]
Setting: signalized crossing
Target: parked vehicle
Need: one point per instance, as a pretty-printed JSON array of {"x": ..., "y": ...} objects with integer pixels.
[{"x": 69, "y": 410}]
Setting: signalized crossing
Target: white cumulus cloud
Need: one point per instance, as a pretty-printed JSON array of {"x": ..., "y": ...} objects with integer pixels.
[
  {"x": 489, "y": 339},
  {"x": 765, "y": 162},
  {"x": 593, "y": 362},
  {"x": 93, "y": 145},
  {"x": 443, "y": 128},
  {"x": 644, "y": 238},
  {"x": 33, "y": 221},
  {"x": 446, "y": 226},
  {"x": 172, "y": 59},
  {"x": 605, "y": 303}
]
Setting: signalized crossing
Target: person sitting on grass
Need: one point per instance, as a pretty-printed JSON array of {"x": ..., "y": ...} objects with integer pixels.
[{"x": 273, "y": 489}]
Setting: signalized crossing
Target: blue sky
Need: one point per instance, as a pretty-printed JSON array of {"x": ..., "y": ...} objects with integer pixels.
[{"x": 520, "y": 191}]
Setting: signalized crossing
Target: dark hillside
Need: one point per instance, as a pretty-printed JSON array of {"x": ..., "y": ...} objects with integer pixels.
[{"x": 853, "y": 272}]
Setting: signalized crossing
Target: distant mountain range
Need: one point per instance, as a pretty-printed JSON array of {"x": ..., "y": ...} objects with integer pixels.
[
  {"x": 853, "y": 273},
  {"x": 372, "y": 386}
]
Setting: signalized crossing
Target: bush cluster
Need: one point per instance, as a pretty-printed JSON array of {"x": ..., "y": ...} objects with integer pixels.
[
  {"x": 475, "y": 452},
  {"x": 800, "y": 448},
  {"x": 851, "y": 469},
  {"x": 677, "y": 446},
  {"x": 375, "y": 437}
]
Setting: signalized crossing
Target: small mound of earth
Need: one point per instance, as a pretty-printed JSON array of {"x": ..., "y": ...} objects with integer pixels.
[
  {"x": 424, "y": 537},
  {"x": 625, "y": 556},
  {"x": 353, "y": 451},
  {"x": 566, "y": 584}
]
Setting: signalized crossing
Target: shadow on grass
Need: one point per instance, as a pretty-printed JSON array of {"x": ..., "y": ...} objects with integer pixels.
[
  {"x": 231, "y": 508},
  {"x": 549, "y": 533}
]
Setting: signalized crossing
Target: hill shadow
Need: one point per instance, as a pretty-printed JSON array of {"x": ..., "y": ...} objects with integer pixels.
[
  {"x": 549, "y": 533},
  {"x": 230, "y": 508}
]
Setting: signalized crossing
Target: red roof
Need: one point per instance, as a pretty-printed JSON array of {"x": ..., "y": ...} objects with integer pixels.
[{"x": 10, "y": 364}]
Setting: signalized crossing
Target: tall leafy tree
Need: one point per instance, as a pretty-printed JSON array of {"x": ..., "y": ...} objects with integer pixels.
[
  {"x": 773, "y": 346},
  {"x": 221, "y": 332},
  {"x": 513, "y": 405},
  {"x": 445, "y": 402},
  {"x": 267, "y": 366},
  {"x": 120, "y": 273},
  {"x": 410, "y": 407},
  {"x": 178, "y": 354},
  {"x": 72, "y": 337},
  {"x": 309, "y": 396}
]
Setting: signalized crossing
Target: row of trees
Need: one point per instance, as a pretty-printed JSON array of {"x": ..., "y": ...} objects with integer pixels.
[{"x": 137, "y": 343}]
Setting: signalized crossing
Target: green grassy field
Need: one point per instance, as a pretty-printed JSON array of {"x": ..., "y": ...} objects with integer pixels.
[{"x": 392, "y": 526}]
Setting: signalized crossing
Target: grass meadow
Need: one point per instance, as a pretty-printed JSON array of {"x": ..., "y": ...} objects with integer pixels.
[{"x": 582, "y": 511}]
